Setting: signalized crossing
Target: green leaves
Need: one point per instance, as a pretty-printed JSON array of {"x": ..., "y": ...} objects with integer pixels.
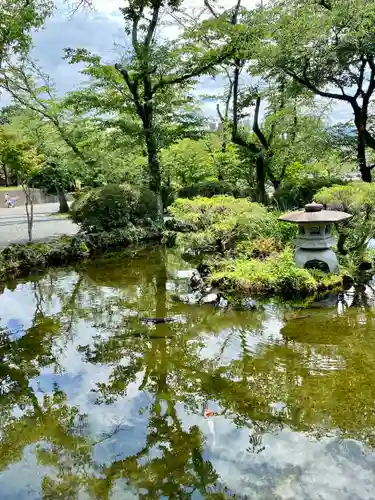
[{"x": 17, "y": 20}]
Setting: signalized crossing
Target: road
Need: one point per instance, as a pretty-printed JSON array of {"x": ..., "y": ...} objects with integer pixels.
[{"x": 13, "y": 224}]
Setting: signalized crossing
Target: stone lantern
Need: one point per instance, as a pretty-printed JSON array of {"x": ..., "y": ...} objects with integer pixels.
[{"x": 314, "y": 243}]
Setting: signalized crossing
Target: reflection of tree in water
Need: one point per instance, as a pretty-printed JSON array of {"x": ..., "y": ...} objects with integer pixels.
[
  {"x": 46, "y": 421},
  {"x": 315, "y": 379}
]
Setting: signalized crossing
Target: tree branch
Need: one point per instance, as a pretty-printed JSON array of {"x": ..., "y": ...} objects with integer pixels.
[
  {"x": 256, "y": 127},
  {"x": 81, "y": 3},
  {"x": 236, "y": 138},
  {"x": 341, "y": 87},
  {"x": 236, "y": 10},
  {"x": 371, "y": 86},
  {"x": 199, "y": 70},
  {"x": 133, "y": 87},
  {"x": 135, "y": 33},
  {"x": 306, "y": 83},
  {"x": 360, "y": 78},
  {"x": 210, "y": 8},
  {"x": 219, "y": 112},
  {"x": 152, "y": 25}
]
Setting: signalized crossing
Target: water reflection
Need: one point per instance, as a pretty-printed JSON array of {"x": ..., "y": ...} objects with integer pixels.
[{"x": 94, "y": 403}]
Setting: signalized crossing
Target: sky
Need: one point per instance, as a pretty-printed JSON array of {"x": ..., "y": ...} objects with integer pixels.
[{"x": 99, "y": 31}]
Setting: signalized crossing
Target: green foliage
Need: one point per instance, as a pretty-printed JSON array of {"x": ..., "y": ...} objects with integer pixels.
[
  {"x": 188, "y": 162},
  {"x": 277, "y": 274},
  {"x": 53, "y": 178},
  {"x": 17, "y": 21},
  {"x": 297, "y": 41},
  {"x": 222, "y": 222},
  {"x": 296, "y": 193},
  {"x": 20, "y": 155},
  {"x": 110, "y": 207},
  {"x": 358, "y": 199},
  {"x": 208, "y": 189},
  {"x": 302, "y": 181}
]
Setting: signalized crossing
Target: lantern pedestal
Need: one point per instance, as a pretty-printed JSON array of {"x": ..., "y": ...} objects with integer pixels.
[
  {"x": 314, "y": 243},
  {"x": 306, "y": 258}
]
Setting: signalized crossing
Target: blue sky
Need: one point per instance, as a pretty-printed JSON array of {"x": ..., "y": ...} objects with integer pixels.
[{"x": 99, "y": 31}]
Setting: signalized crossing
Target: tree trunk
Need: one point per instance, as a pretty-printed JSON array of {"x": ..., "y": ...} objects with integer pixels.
[
  {"x": 360, "y": 122},
  {"x": 260, "y": 179},
  {"x": 154, "y": 168},
  {"x": 361, "y": 158},
  {"x": 341, "y": 244},
  {"x": 6, "y": 179},
  {"x": 29, "y": 206},
  {"x": 161, "y": 308},
  {"x": 64, "y": 207}
]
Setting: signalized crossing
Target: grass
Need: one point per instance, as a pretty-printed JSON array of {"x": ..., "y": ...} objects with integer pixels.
[
  {"x": 4, "y": 189},
  {"x": 58, "y": 214},
  {"x": 277, "y": 274}
]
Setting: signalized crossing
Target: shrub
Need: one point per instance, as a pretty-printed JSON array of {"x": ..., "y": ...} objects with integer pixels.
[
  {"x": 209, "y": 189},
  {"x": 260, "y": 248},
  {"x": 296, "y": 193},
  {"x": 109, "y": 207},
  {"x": 222, "y": 222},
  {"x": 277, "y": 274},
  {"x": 358, "y": 199}
]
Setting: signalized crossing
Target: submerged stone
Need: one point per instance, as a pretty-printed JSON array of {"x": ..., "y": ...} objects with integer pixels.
[
  {"x": 196, "y": 281},
  {"x": 247, "y": 304},
  {"x": 189, "y": 298}
]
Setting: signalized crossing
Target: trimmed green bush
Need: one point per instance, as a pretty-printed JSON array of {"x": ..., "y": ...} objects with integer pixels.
[
  {"x": 110, "y": 207},
  {"x": 208, "y": 189},
  {"x": 225, "y": 223}
]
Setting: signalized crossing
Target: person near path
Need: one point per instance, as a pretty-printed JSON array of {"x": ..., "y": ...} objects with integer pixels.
[{"x": 9, "y": 202}]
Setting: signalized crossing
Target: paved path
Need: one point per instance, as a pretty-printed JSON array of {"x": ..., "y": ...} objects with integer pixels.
[{"x": 13, "y": 224}]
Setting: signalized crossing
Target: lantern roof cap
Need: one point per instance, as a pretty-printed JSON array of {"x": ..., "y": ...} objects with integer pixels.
[{"x": 315, "y": 213}]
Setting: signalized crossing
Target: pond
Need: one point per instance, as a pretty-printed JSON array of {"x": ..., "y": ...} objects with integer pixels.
[{"x": 272, "y": 403}]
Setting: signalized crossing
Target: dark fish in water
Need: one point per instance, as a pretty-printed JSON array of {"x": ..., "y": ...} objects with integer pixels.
[{"x": 158, "y": 321}]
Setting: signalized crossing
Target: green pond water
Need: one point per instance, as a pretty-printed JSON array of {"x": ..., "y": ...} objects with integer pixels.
[{"x": 96, "y": 405}]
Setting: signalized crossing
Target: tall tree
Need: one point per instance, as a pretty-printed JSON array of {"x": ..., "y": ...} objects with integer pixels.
[
  {"x": 272, "y": 138},
  {"x": 154, "y": 64},
  {"x": 326, "y": 46}
]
